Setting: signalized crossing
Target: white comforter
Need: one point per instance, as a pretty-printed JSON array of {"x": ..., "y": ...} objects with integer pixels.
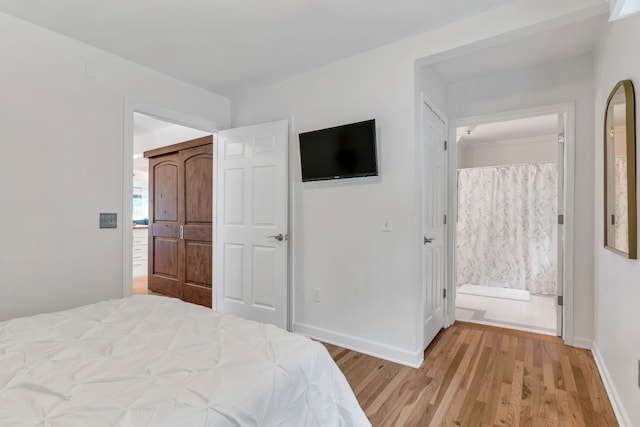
[{"x": 155, "y": 361}]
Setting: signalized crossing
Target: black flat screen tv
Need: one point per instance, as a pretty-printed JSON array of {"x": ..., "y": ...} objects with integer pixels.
[{"x": 346, "y": 151}]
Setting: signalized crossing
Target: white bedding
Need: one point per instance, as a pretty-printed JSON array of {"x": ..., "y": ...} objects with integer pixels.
[{"x": 156, "y": 361}]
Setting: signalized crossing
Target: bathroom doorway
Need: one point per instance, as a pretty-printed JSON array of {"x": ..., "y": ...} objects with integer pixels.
[{"x": 509, "y": 243}]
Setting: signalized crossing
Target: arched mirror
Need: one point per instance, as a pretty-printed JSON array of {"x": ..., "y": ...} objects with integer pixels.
[{"x": 620, "y": 232}]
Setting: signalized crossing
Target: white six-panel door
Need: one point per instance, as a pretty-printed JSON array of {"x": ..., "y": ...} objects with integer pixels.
[
  {"x": 252, "y": 223},
  {"x": 434, "y": 208}
]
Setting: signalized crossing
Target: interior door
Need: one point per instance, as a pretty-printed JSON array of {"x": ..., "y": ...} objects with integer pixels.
[
  {"x": 181, "y": 213},
  {"x": 252, "y": 223},
  {"x": 196, "y": 252},
  {"x": 562, "y": 123},
  {"x": 164, "y": 230},
  {"x": 434, "y": 222}
]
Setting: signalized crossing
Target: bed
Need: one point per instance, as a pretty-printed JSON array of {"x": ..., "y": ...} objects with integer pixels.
[{"x": 157, "y": 361}]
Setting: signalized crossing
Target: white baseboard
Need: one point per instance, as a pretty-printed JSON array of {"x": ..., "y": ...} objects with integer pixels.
[
  {"x": 371, "y": 348},
  {"x": 585, "y": 343},
  {"x": 618, "y": 409}
]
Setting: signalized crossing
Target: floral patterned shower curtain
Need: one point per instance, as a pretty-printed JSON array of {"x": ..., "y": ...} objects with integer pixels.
[{"x": 507, "y": 227}]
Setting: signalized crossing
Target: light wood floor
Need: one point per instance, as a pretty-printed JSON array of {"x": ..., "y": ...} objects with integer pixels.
[
  {"x": 476, "y": 375},
  {"x": 140, "y": 286}
]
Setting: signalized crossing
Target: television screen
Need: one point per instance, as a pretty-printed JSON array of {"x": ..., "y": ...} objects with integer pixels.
[{"x": 346, "y": 151}]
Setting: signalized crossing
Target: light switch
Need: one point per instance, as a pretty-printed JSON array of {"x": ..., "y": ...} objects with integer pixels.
[
  {"x": 108, "y": 220},
  {"x": 386, "y": 223}
]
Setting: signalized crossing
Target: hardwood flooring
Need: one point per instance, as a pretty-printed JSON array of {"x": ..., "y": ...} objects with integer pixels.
[
  {"x": 476, "y": 375},
  {"x": 140, "y": 286}
]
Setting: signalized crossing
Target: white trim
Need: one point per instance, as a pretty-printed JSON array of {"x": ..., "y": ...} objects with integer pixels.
[
  {"x": 584, "y": 343},
  {"x": 293, "y": 138},
  {"x": 569, "y": 223},
  {"x": 452, "y": 218},
  {"x": 543, "y": 139},
  {"x": 135, "y": 106},
  {"x": 619, "y": 9},
  {"x": 569, "y": 172},
  {"x": 614, "y": 398},
  {"x": 371, "y": 348}
]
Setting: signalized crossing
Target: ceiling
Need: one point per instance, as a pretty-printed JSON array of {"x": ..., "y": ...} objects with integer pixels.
[
  {"x": 227, "y": 45},
  {"x": 143, "y": 124},
  {"x": 509, "y": 130},
  {"x": 150, "y": 133}
]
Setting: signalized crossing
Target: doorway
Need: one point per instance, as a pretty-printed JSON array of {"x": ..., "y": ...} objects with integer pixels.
[
  {"x": 509, "y": 252},
  {"x": 240, "y": 276},
  {"x": 153, "y": 127},
  {"x": 149, "y": 133}
]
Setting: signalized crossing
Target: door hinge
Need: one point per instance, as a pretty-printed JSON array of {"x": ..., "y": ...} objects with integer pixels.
[
  {"x": 445, "y": 219},
  {"x": 561, "y": 219},
  {"x": 445, "y": 145},
  {"x": 444, "y": 293},
  {"x": 561, "y": 138},
  {"x": 560, "y": 300}
]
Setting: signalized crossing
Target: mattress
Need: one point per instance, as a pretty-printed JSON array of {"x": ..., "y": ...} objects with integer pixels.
[{"x": 156, "y": 361}]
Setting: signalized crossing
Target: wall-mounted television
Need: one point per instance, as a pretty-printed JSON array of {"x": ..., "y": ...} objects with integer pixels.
[{"x": 346, "y": 151}]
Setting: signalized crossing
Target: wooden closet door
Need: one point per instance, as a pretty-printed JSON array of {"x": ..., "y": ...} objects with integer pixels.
[
  {"x": 180, "y": 232},
  {"x": 196, "y": 215},
  {"x": 164, "y": 230}
]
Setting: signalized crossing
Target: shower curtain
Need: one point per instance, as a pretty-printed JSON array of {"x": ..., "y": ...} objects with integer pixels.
[{"x": 507, "y": 227}]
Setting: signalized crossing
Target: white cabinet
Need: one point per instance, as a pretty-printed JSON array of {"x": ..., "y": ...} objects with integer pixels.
[{"x": 140, "y": 251}]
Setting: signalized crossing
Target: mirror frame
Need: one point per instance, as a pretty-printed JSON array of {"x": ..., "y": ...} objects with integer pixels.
[{"x": 630, "y": 120}]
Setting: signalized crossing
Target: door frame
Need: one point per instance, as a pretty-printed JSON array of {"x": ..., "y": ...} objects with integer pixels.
[
  {"x": 569, "y": 185},
  {"x": 132, "y": 106}
]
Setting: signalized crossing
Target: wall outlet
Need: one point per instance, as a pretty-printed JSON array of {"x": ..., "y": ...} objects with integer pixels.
[
  {"x": 386, "y": 224},
  {"x": 316, "y": 294},
  {"x": 108, "y": 220}
]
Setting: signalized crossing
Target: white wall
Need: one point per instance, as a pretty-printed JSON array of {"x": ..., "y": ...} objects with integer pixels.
[
  {"x": 173, "y": 134},
  {"x": 66, "y": 129},
  {"x": 530, "y": 150},
  {"x": 429, "y": 82},
  {"x": 617, "y": 279},
  {"x": 370, "y": 281},
  {"x": 570, "y": 80}
]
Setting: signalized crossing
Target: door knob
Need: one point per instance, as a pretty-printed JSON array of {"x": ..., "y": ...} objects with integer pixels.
[
  {"x": 429, "y": 240},
  {"x": 278, "y": 237}
]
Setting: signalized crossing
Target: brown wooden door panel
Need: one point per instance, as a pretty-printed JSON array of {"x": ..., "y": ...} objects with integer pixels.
[
  {"x": 165, "y": 261},
  {"x": 166, "y": 230},
  {"x": 198, "y": 213},
  {"x": 198, "y": 267},
  {"x": 166, "y": 286},
  {"x": 165, "y": 190},
  {"x": 198, "y": 172},
  {"x": 199, "y": 232},
  {"x": 197, "y": 294},
  {"x": 181, "y": 190}
]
